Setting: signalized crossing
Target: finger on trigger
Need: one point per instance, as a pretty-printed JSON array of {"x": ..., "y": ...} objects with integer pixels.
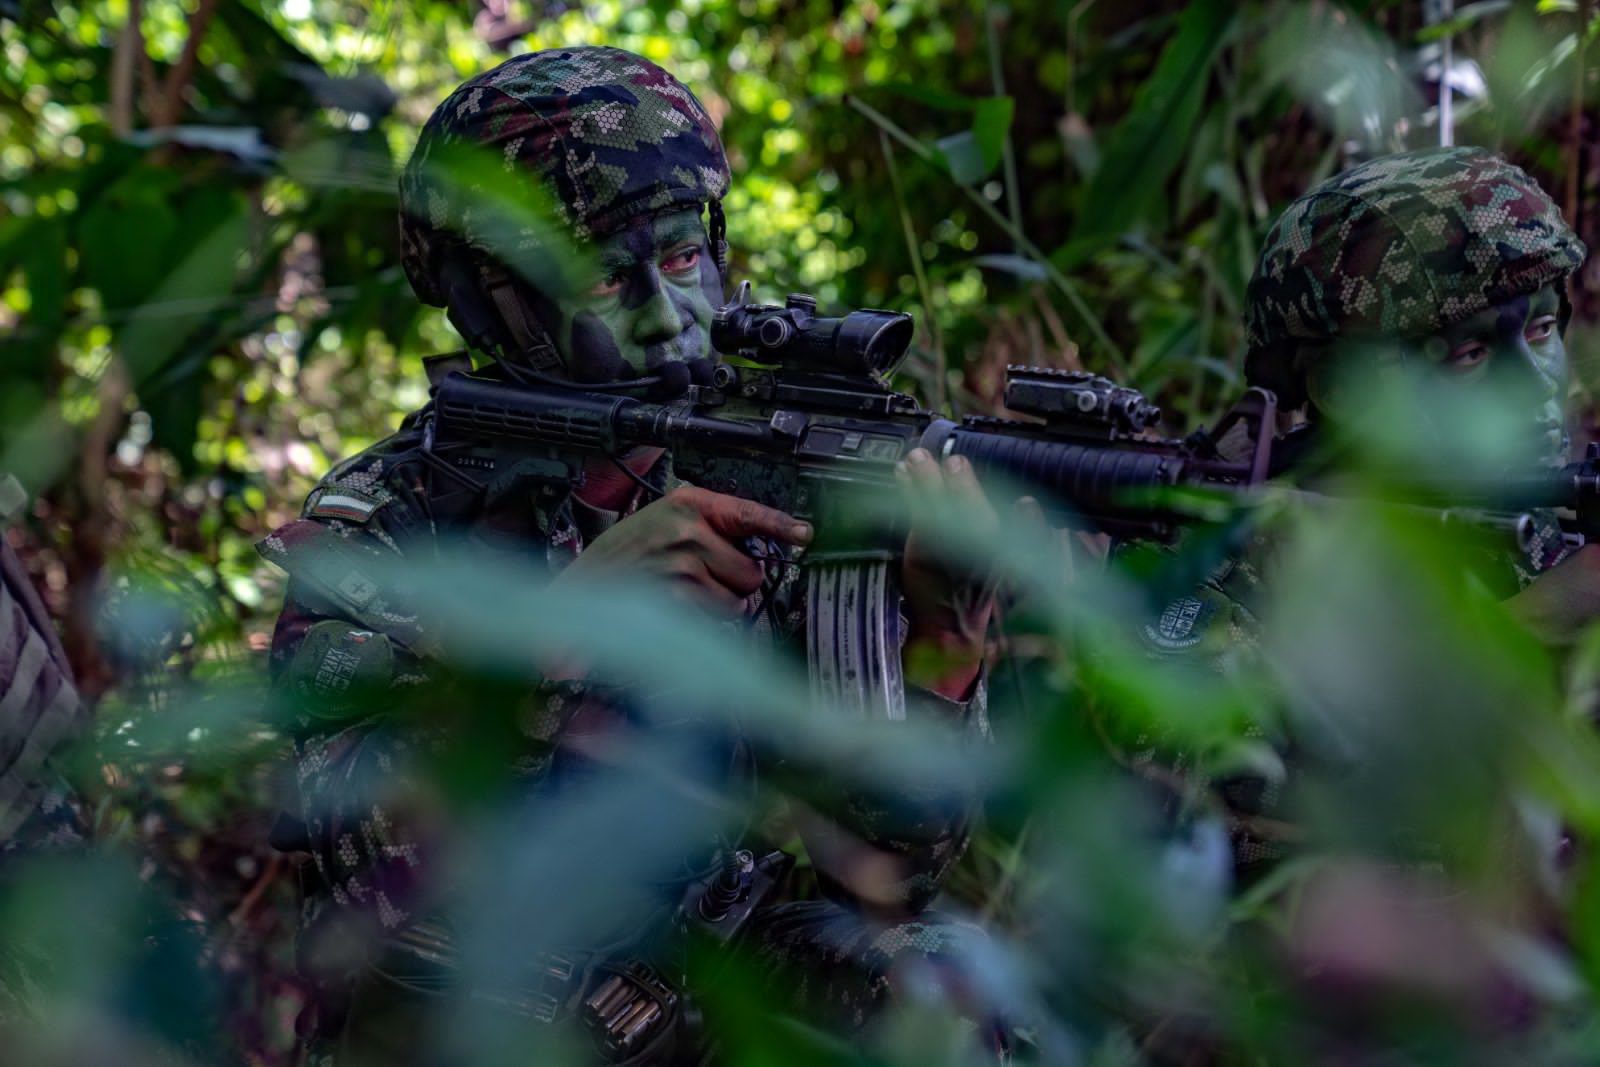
[{"x": 735, "y": 519}]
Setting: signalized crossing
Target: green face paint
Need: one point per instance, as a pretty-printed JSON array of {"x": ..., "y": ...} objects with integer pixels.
[
  {"x": 650, "y": 306},
  {"x": 1512, "y": 355},
  {"x": 1490, "y": 388}
]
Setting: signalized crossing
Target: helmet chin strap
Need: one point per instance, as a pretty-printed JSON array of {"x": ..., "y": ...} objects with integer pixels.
[
  {"x": 499, "y": 326},
  {"x": 529, "y": 341}
]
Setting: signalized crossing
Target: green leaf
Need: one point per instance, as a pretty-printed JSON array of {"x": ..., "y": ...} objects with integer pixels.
[
  {"x": 126, "y": 235},
  {"x": 1206, "y": 151},
  {"x": 963, "y": 157},
  {"x": 175, "y": 403},
  {"x": 972, "y": 155},
  {"x": 1148, "y": 145},
  {"x": 1020, "y": 267},
  {"x": 991, "y": 126},
  {"x": 38, "y": 246},
  {"x": 195, "y": 292}
]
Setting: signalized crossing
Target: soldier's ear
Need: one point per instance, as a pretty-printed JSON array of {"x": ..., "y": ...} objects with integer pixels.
[
  {"x": 1277, "y": 367},
  {"x": 1323, "y": 380}
]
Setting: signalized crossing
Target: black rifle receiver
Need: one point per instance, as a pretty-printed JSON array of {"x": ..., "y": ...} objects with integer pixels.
[{"x": 817, "y": 418}]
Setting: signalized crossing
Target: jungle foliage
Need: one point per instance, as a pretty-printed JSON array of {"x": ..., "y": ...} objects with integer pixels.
[{"x": 202, "y": 309}]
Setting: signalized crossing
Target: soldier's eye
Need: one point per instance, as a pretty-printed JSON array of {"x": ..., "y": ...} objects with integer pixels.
[
  {"x": 1541, "y": 329},
  {"x": 1467, "y": 356},
  {"x": 682, "y": 260},
  {"x": 610, "y": 285}
]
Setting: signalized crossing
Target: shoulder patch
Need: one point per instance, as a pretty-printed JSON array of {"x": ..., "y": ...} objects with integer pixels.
[
  {"x": 338, "y": 665},
  {"x": 342, "y": 502},
  {"x": 1182, "y": 624},
  {"x": 1202, "y": 622}
]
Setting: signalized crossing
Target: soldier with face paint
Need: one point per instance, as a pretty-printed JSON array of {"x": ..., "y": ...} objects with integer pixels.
[
  {"x": 1438, "y": 276},
  {"x": 1442, "y": 272},
  {"x": 631, "y": 167}
]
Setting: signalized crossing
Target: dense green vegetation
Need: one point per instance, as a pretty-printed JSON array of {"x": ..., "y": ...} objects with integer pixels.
[{"x": 201, "y": 309}]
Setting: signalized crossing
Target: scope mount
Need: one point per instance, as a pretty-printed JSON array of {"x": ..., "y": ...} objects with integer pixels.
[{"x": 1077, "y": 402}]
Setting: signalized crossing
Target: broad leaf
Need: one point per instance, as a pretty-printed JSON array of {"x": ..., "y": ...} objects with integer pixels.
[
  {"x": 991, "y": 126},
  {"x": 1149, "y": 144}
]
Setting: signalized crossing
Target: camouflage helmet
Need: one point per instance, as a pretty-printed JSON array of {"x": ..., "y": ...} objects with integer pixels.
[
  {"x": 1402, "y": 246},
  {"x": 610, "y": 135}
]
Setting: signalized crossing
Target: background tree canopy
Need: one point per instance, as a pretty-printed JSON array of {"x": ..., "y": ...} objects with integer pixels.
[{"x": 201, "y": 309}]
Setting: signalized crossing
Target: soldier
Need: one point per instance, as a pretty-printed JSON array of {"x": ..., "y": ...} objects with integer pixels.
[
  {"x": 1449, "y": 264},
  {"x": 1447, "y": 268},
  {"x": 1441, "y": 272},
  {"x": 636, "y": 173}
]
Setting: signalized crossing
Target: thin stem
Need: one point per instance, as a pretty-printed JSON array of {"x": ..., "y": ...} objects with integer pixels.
[
  {"x": 924, "y": 290},
  {"x": 170, "y": 103},
  {"x": 125, "y": 57},
  {"x": 1008, "y": 155},
  {"x": 1575, "y": 147},
  {"x": 1113, "y": 354}
]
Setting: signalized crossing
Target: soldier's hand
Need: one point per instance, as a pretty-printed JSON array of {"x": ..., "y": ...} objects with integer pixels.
[
  {"x": 693, "y": 538},
  {"x": 948, "y": 605},
  {"x": 1560, "y": 603}
]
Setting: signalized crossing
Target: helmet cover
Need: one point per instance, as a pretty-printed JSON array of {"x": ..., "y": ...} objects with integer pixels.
[
  {"x": 610, "y": 134},
  {"x": 1404, "y": 246}
]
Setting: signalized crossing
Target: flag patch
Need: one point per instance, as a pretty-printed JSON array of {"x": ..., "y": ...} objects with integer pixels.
[{"x": 344, "y": 504}]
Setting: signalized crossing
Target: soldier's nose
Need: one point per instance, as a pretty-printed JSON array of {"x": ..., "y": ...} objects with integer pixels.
[
  {"x": 658, "y": 320},
  {"x": 1526, "y": 364}
]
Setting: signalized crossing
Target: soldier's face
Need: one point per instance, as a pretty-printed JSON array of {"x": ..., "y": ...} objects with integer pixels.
[
  {"x": 1490, "y": 389},
  {"x": 650, "y": 303},
  {"x": 1512, "y": 355}
]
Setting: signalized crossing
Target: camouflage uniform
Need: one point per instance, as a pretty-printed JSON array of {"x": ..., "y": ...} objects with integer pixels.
[{"x": 612, "y": 136}]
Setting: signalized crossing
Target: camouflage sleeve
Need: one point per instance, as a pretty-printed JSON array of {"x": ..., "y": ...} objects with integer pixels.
[
  {"x": 1215, "y": 628},
  {"x": 887, "y": 849},
  {"x": 39, "y": 710},
  {"x": 358, "y": 791},
  {"x": 362, "y": 679}
]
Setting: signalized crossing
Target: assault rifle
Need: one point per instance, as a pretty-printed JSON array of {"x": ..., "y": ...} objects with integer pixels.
[{"x": 804, "y": 419}]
